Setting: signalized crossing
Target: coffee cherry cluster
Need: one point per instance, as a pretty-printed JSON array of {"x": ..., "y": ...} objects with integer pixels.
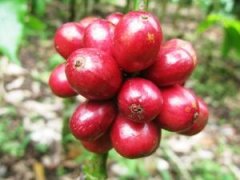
[{"x": 133, "y": 80}]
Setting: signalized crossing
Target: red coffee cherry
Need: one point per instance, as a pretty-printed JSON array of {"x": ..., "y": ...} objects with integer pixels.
[
  {"x": 92, "y": 119},
  {"x": 93, "y": 73},
  {"x": 134, "y": 140},
  {"x": 180, "y": 109},
  {"x": 99, "y": 34},
  {"x": 100, "y": 146},
  {"x": 59, "y": 84},
  {"x": 180, "y": 43},
  {"x": 172, "y": 66},
  {"x": 85, "y": 22},
  {"x": 200, "y": 122},
  {"x": 114, "y": 18},
  {"x": 68, "y": 38},
  {"x": 140, "y": 100},
  {"x": 137, "y": 39}
]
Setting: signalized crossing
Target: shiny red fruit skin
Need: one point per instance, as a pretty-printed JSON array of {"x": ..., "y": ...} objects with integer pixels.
[
  {"x": 140, "y": 100},
  {"x": 91, "y": 119},
  {"x": 68, "y": 38},
  {"x": 180, "y": 43},
  {"x": 99, "y": 34},
  {"x": 100, "y": 145},
  {"x": 114, "y": 18},
  {"x": 134, "y": 140},
  {"x": 137, "y": 40},
  {"x": 93, "y": 73},
  {"x": 172, "y": 66},
  {"x": 85, "y": 22},
  {"x": 59, "y": 84},
  {"x": 200, "y": 122},
  {"x": 180, "y": 109}
]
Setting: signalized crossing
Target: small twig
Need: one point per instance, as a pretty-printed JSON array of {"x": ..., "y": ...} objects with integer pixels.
[
  {"x": 234, "y": 170},
  {"x": 176, "y": 162}
]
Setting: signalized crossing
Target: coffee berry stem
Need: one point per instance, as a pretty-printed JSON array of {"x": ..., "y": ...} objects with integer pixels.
[
  {"x": 141, "y": 5},
  {"x": 94, "y": 168}
]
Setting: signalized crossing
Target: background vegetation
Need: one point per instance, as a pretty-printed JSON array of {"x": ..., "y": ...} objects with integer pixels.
[{"x": 31, "y": 133}]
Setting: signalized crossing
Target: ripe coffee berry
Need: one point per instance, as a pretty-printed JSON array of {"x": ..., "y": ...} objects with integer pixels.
[
  {"x": 114, "y": 18},
  {"x": 140, "y": 100},
  {"x": 92, "y": 119},
  {"x": 85, "y": 22},
  {"x": 137, "y": 40},
  {"x": 100, "y": 145},
  {"x": 99, "y": 34},
  {"x": 59, "y": 84},
  {"x": 187, "y": 46},
  {"x": 68, "y": 38},
  {"x": 180, "y": 109},
  {"x": 134, "y": 140},
  {"x": 172, "y": 66},
  {"x": 93, "y": 73},
  {"x": 200, "y": 122}
]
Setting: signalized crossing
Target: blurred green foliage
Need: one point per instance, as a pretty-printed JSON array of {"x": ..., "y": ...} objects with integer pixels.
[
  {"x": 133, "y": 169},
  {"x": 208, "y": 170},
  {"x": 231, "y": 28},
  {"x": 54, "y": 60},
  {"x": 216, "y": 70},
  {"x": 16, "y": 23},
  {"x": 11, "y": 32},
  {"x": 13, "y": 138},
  {"x": 221, "y": 6}
]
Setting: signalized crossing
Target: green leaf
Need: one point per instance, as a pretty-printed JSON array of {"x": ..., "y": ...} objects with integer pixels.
[
  {"x": 226, "y": 46},
  {"x": 54, "y": 61},
  {"x": 210, "y": 20},
  {"x": 230, "y": 27},
  {"x": 231, "y": 41},
  {"x": 11, "y": 31},
  {"x": 13, "y": 139},
  {"x": 232, "y": 36},
  {"x": 35, "y": 24},
  {"x": 40, "y": 7}
]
